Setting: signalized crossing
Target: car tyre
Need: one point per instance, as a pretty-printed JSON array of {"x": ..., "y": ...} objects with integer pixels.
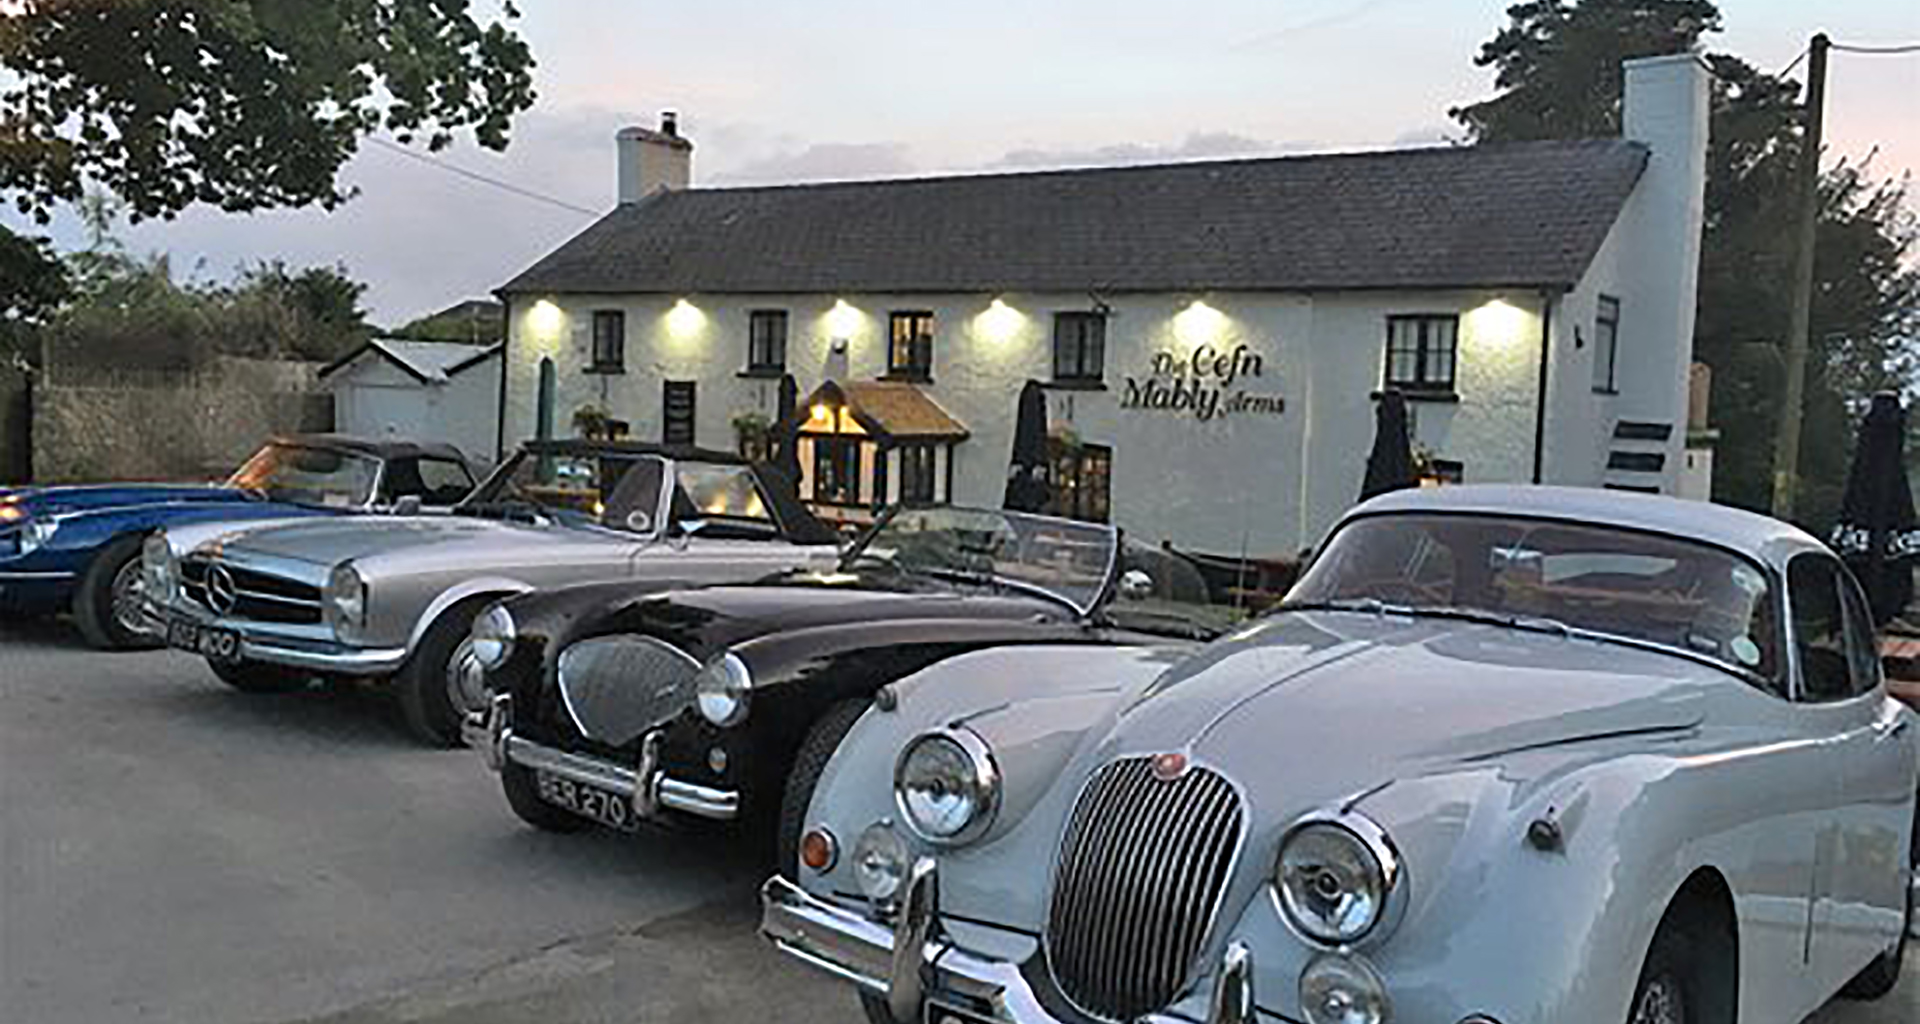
[
  {"x": 1882, "y": 975},
  {"x": 876, "y": 1009},
  {"x": 822, "y": 739},
  {"x": 254, "y": 677},
  {"x": 522, "y": 795},
  {"x": 1687, "y": 976},
  {"x": 424, "y": 685},
  {"x": 107, "y": 606}
]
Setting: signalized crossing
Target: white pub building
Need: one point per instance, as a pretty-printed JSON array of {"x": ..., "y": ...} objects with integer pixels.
[{"x": 1212, "y": 336}]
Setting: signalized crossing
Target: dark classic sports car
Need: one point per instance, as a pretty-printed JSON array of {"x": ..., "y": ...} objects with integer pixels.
[
  {"x": 724, "y": 703},
  {"x": 78, "y": 547}
]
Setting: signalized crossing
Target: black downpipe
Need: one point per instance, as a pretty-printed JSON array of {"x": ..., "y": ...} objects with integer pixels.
[{"x": 1540, "y": 400}]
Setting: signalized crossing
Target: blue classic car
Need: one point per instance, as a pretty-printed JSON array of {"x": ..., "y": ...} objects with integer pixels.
[{"x": 77, "y": 548}]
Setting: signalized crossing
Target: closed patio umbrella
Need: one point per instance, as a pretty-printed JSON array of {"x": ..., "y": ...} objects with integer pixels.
[
  {"x": 1029, "y": 476},
  {"x": 786, "y": 430},
  {"x": 1390, "y": 463},
  {"x": 1877, "y": 533}
]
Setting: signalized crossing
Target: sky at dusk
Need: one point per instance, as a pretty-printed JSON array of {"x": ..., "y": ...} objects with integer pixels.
[{"x": 780, "y": 91}]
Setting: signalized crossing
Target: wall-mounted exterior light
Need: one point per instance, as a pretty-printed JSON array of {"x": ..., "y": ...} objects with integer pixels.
[
  {"x": 842, "y": 320},
  {"x": 1499, "y": 323},
  {"x": 545, "y": 320},
  {"x": 685, "y": 319},
  {"x": 1199, "y": 324},
  {"x": 999, "y": 323}
]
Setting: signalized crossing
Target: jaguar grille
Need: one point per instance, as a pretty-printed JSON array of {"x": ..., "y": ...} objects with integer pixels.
[
  {"x": 1138, "y": 884},
  {"x": 616, "y": 688}
]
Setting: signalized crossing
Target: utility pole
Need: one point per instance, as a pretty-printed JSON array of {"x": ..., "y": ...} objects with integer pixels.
[{"x": 1786, "y": 443}]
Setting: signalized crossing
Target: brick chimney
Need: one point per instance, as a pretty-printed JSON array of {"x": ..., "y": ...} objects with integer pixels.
[{"x": 647, "y": 161}]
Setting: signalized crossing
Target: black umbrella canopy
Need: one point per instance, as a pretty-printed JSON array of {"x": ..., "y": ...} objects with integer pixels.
[
  {"x": 786, "y": 436},
  {"x": 1390, "y": 463},
  {"x": 1029, "y": 477},
  {"x": 1878, "y": 533}
]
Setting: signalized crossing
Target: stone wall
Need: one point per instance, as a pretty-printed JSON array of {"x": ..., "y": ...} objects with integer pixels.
[{"x": 137, "y": 424}]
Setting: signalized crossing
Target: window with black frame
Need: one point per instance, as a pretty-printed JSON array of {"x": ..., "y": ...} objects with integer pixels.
[
  {"x": 910, "y": 348},
  {"x": 1606, "y": 344},
  {"x": 1079, "y": 347},
  {"x": 609, "y": 341},
  {"x": 917, "y": 464},
  {"x": 836, "y": 470},
  {"x": 1421, "y": 353},
  {"x": 767, "y": 341}
]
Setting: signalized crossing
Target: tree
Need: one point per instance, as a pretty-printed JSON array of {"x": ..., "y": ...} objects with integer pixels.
[
  {"x": 1557, "y": 66},
  {"x": 241, "y": 104},
  {"x": 33, "y": 281}
]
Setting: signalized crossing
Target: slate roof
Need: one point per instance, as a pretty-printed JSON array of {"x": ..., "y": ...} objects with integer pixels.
[
  {"x": 1511, "y": 215},
  {"x": 429, "y": 362}
]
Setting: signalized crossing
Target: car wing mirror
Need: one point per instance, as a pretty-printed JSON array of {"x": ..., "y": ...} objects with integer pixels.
[
  {"x": 406, "y": 505},
  {"x": 1136, "y": 585}
]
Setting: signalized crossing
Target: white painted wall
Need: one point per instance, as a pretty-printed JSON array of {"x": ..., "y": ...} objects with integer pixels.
[
  {"x": 1267, "y": 483},
  {"x": 374, "y": 398}
]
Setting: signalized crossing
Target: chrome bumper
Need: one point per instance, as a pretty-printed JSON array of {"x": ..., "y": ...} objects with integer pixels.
[
  {"x": 906, "y": 964},
  {"x": 328, "y": 657},
  {"x": 646, "y": 786}
]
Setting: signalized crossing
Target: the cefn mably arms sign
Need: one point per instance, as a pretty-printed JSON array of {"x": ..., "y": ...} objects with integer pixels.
[{"x": 1202, "y": 385}]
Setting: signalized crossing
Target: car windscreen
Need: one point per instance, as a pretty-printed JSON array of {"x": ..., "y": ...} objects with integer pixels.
[
  {"x": 1160, "y": 591},
  {"x": 714, "y": 491},
  {"x": 1069, "y": 560},
  {"x": 621, "y": 492},
  {"x": 309, "y": 476},
  {"x": 1641, "y": 586}
]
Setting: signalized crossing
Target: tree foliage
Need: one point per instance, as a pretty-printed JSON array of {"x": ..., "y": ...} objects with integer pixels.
[
  {"x": 240, "y": 104},
  {"x": 1557, "y": 68},
  {"x": 33, "y": 281}
]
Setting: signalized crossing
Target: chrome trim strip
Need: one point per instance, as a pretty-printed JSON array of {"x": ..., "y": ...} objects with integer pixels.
[
  {"x": 701, "y": 801},
  {"x": 373, "y": 661},
  {"x": 37, "y": 575}
]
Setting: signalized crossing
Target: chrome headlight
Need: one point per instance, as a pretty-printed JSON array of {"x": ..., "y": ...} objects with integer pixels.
[
  {"x": 160, "y": 568},
  {"x": 880, "y": 863},
  {"x": 723, "y": 690},
  {"x": 343, "y": 602},
  {"x": 947, "y": 786},
  {"x": 36, "y": 533},
  {"x": 492, "y": 637},
  {"x": 1339, "y": 878}
]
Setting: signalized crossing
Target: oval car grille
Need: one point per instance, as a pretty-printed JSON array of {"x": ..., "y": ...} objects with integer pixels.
[
  {"x": 616, "y": 688},
  {"x": 1138, "y": 883}
]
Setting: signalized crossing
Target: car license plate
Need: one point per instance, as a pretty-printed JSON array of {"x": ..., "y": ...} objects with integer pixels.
[
  {"x": 209, "y": 641},
  {"x": 604, "y": 806},
  {"x": 941, "y": 1014}
]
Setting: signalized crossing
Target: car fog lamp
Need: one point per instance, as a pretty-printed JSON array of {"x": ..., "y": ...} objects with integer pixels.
[
  {"x": 1343, "y": 990},
  {"x": 818, "y": 851},
  {"x": 723, "y": 690},
  {"x": 947, "y": 786},
  {"x": 879, "y": 862},
  {"x": 1333, "y": 884},
  {"x": 344, "y": 600},
  {"x": 493, "y": 636},
  {"x": 158, "y": 566}
]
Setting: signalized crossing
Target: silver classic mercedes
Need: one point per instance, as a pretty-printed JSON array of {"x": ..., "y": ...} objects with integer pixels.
[
  {"x": 1505, "y": 756},
  {"x": 391, "y": 600}
]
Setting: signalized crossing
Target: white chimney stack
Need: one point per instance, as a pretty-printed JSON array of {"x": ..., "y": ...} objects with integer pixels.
[
  {"x": 647, "y": 161},
  {"x": 1665, "y": 108}
]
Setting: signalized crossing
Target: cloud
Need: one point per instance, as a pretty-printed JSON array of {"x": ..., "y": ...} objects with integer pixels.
[
  {"x": 1196, "y": 146},
  {"x": 823, "y": 161}
]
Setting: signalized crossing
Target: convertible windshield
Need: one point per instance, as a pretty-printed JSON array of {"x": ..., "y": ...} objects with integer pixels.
[
  {"x": 1618, "y": 582},
  {"x": 1066, "y": 559},
  {"x": 617, "y": 491},
  {"x": 309, "y": 476}
]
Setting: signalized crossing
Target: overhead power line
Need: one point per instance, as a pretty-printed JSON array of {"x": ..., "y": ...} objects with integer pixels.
[{"x": 506, "y": 186}]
